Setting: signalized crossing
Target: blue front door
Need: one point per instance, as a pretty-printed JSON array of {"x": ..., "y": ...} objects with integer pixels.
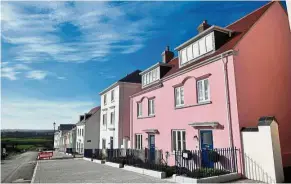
[
  {"x": 151, "y": 139},
  {"x": 206, "y": 143}
]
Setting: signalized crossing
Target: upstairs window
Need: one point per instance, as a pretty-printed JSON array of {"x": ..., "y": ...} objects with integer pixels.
[
  {"x": 104, "y": 119},
  {"x": 150, "y": 76},
  {"x": 112, "y": 96},
  {"x": 179, "y": 96},
  {"x": 203, "y": 91},
  {"x": 139, "y": 109},
  {"x": 151, "y": 107},
  {"x": 105, "y": 99},
  {"x": 138, "y": 141},
  {"x": 196, "y": 49},
  {"x": 112, "y": 118}
]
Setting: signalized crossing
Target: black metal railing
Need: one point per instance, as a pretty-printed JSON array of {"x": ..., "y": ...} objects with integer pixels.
[
  {"x": 69, "y": 150},
  {"x": 97, "y": 154},
  {"x": 206, "y": 163},
  {"x": 88, "y": 153}
]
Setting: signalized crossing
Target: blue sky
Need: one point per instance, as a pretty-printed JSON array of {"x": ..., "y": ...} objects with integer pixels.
[{"x": 57, "y": 56}]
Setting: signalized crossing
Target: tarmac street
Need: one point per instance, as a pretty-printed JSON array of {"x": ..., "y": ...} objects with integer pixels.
[
  {"x": 81, "y": 171},
  {"x": 19, "y": 168}
]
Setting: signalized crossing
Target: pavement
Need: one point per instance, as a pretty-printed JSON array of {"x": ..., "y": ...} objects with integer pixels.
[
  {"x": 18, "y": 168},
  {"x": 81, "y": 171}
]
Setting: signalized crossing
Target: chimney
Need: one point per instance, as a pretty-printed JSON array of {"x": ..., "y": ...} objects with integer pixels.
[
  {"x": 167, "y": 55},
  {"x": 203, "y": 26},
  {"x": 81, "y": 117}
]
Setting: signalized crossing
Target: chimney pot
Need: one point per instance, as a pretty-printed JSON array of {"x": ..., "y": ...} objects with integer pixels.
[
  {"x": 203, "y": 26},
  {"x": 167, "y": 55}
]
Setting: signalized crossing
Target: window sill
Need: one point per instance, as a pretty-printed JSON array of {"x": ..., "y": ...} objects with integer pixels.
[
  {"x": 199, "y": 104},
  {"x": 144, "y": 117}
]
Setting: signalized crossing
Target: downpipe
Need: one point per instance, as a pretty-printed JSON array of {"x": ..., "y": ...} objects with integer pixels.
[{"x": 229, "y": 120}]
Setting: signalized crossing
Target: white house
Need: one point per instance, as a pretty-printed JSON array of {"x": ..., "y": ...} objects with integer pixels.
[
  {"x": 115, "y": 111},
  {"x": 59, "y": 139},
  {"x": 92, "y": 129},
  {"x": 80, "y": 135}
]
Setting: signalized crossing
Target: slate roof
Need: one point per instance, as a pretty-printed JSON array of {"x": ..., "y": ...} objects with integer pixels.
[
  {"x": 266, "y": 120},
  {"x": 133, "y": 77},
  {"x": 94, "y": 110},
  {"x": 66, "y": 126}
]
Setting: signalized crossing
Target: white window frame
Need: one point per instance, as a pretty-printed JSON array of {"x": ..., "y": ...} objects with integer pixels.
[
  {"x": 138, "y": 141},
  {"x": 105, "y": 99},
  {"x": 203, "y": 93},
  {"x": 209, "y": 38},
  {"x": 179, "y": 96},
  {"x": 112, "y": 95},
  {"x": 104, "y": 118},
  {"x": 139, "y": 109},
  {"x": 151, "y": 108},
  {"x": 184, "y": 56},
  {"x": 112, "y": 117},
  {"x": 103, "y": 143},
  {"x": 175, "y": 140}
]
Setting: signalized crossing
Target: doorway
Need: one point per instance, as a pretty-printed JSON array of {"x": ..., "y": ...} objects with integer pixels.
[
  {"x": 206, "y": 143},
  {"x": 151, "y": 145}
]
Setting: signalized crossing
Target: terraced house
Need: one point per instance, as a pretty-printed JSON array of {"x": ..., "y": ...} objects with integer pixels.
[
  {"x": 115, "y": 111},
  {"x": 224, "y": 79}
]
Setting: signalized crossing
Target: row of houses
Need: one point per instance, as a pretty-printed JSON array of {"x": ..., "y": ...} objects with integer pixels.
[{"x": 223, "y": 81}]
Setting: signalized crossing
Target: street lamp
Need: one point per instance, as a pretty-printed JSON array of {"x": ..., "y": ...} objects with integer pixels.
[{"x": 54, "y": 124}]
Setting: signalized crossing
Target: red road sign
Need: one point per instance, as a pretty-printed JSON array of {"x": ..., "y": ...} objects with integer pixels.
[{"x": 45, "y": 154}]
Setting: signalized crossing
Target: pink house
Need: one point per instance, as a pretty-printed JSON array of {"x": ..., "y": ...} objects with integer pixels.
[{"x": 224, "y": 79}]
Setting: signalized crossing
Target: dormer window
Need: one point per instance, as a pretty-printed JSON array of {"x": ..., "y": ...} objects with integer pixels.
[
  {"x": 150, "y": 76},
  {"x": 209, "y": 39},
  {"x": 197, "y": 49}
]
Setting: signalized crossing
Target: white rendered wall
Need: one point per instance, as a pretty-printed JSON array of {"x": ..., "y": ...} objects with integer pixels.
[
  {"x": 109, "y": 130},
  {"x": 262, "y": 154},
  {"x": 80, "y": 138}
]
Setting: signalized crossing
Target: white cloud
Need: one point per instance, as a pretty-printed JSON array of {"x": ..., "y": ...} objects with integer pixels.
[
  {"x": 36, "y": 74},
  {"x": 13, "y": 71},
  {"x": 30, "y": 113},
  {"x": 103, "y": 27}
]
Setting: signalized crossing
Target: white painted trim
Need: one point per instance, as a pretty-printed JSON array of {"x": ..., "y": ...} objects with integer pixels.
[
  {"x": 195, "y": 38},
  {"x": 116, "y": 84},
  {"x": 34, "y": 173},
  {"x": 112, "y": 164},
  {"x": 156, "y": 174},
  {"x": 213, "y": 179}
]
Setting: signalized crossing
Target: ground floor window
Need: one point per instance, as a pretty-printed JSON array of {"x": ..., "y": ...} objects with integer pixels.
[
  {"x": 178, "y": 140},
  {"x": 138, "y": 141},
  {"x": 103, "y": 143}
]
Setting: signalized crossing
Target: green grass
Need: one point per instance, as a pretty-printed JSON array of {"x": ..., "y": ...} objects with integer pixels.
[
  {"x": 37, "y": 140},
  {"x": 26, "y": 147}
]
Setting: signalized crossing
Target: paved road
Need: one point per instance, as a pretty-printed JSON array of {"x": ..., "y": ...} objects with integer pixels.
[
  {"x": 81, "y": 171},
  {"x": 18, "y": 168}
]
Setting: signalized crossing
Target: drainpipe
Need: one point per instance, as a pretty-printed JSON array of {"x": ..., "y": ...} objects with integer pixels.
[
  {"x": 227, "y": 100},
  {"x": 131, "y": 124}
]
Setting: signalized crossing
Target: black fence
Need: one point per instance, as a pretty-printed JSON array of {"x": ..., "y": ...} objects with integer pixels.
[
  {"x": 88, "y": 153},
  {"x": 69, "y": 150},
  {"x": 206, "y": 163},
  {"x": 97, "y": 154}
]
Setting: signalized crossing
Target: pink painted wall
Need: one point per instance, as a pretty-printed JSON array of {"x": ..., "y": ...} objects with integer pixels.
[
  {"x": 263, "y": 75},
  {"x": 168, "y": 118},
  {"x": 127, "y": 89}
]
